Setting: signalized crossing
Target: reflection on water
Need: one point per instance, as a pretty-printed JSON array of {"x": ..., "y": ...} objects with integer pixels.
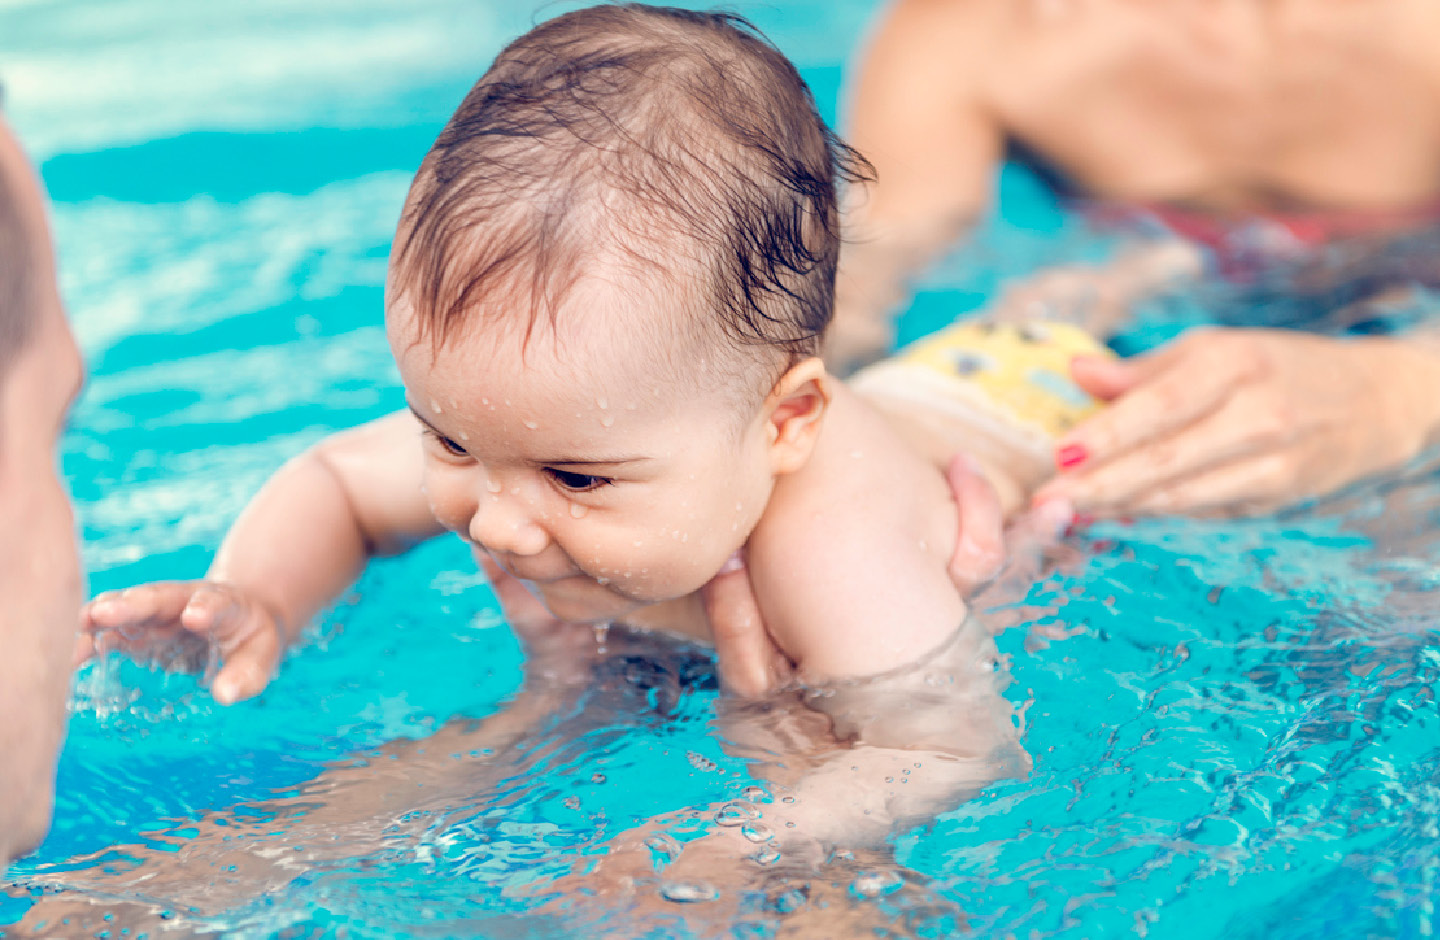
[{"x": 789, "y": 829}]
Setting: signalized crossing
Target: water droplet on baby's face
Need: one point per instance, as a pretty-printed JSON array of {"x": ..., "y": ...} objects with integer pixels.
[
  {"x": 577, "y": 511},
  {"x": 464, "y": 436},
  {"x": 493, "y": 485},
  {"x": 602, "y": 403},
  {"x": 607, "y": 420},
  {"x": 531, "y": 425},
  {"x": 435, "y": 407}
]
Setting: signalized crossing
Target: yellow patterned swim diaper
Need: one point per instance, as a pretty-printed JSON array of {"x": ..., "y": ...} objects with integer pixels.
[{"x": 1015, "y": 375}]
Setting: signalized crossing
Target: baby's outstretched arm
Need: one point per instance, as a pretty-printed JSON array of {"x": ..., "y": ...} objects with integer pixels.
[{"x": 299, "y": 543}]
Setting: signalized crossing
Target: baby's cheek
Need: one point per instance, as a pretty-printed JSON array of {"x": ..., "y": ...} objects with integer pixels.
[{"x": 449, "y": 500}]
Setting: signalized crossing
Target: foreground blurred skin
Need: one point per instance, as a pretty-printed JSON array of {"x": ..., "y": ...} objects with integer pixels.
[
  {"x": 39, "y": 567},
  {"x": 1321, "y": 116}
]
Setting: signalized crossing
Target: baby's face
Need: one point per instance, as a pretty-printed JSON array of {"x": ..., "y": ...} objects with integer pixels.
[{"x": 599, "y": 484}]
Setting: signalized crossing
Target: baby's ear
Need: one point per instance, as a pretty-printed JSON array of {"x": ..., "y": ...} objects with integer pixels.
[{"x": 794, "y": 410}]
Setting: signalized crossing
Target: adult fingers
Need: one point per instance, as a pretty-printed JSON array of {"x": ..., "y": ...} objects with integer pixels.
[
  {"x": 520, "y": 606},
  {"x": 1248, "y": 486},
  {"x": 1233, "y": 431},
  {"x": 980, "y": 547},
  {"x": 1179, "y": 392},
  {"x": 1104, "y": 378},
  {"x": 751, "y": 665}
]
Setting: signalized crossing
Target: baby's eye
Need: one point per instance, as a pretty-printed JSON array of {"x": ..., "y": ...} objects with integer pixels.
[
  {"x": 577, "y": 482},
  {"x": 447, "y": 445}
]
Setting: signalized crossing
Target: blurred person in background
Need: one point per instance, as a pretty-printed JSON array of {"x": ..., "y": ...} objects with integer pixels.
[
  {"x": 40, "y": 582},
  {"x": 1255, "y": 133}
]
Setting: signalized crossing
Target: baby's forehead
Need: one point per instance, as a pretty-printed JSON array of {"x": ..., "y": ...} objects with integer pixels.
[{"x": 606, "y": 330}]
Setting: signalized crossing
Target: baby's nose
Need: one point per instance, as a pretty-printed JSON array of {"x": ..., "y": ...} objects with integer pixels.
[{"x": 505, "y": 524}]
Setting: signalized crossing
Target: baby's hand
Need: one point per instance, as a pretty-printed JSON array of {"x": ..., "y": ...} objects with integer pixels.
[{"x": 179, "y": 623}]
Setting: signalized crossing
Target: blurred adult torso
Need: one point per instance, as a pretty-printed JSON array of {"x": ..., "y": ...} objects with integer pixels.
[{"x": 1224, "y": 105}]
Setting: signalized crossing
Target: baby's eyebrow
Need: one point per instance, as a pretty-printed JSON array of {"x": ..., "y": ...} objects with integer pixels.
[
  {"x": 580, "y": 462},
  {"x": 421, "y": 418},
  {"x": 550, "y": 461}
]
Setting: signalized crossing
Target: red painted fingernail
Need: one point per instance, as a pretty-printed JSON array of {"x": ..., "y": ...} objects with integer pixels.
[{"x": 1071, "y": 455}]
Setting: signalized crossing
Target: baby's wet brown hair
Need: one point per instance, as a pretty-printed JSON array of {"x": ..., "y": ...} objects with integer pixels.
[{"x": 682, "y": 141}]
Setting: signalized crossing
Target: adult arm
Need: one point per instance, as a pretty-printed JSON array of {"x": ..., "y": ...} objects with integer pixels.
[
  {"x": 918, "y": 114},
  {"x": 300, "y": 542},
  {"x": 1236, "y": 421}
]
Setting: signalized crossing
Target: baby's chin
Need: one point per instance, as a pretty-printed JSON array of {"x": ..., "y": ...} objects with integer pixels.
[{"x": 580, "y": 600}]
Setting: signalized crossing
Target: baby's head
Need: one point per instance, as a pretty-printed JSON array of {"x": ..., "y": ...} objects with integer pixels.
[{"x": 607, "y": 295}]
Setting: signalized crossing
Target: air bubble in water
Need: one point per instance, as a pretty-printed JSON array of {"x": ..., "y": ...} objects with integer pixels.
[
  {"x": 757, "y": 832},
  {"x": 736, "y": 814},
  {"x": 753, "y": 793},
  {"x": 688, "y": 892},
  {"x": 875, "y": 884},
  {"x": 791, "y": 900},
  {"x": 664, "y": 848}
]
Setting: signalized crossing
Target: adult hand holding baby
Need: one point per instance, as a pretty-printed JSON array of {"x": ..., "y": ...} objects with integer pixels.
[
  {"x": 752, "y": 665},
  {"x": 1236, "y": 421},
  {"x": 182, "y": 623}
]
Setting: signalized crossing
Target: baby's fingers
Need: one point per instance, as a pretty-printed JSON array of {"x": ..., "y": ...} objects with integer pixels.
[
  {"x": 248, "y": 668},
  {"x": 148, "y": 605}
]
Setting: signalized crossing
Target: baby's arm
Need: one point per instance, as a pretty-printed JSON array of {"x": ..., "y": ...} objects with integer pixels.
[
  {"x": 299, "y": 543},
  {"x": 850, "y": 571}
]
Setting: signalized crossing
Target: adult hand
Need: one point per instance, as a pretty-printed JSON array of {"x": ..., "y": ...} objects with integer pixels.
[
  {"x": 752, "y": 665},
  {"x": 180, "y": 623},
  {"x": 1231, "y": 421}
]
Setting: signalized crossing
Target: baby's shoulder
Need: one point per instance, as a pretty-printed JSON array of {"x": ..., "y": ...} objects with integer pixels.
[{"x": 849, "y": 562}]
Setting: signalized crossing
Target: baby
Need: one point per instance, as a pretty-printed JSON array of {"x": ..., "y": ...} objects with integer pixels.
[
  {"x": 608, "y": 288},
  {"x": 607, "y": 294}
]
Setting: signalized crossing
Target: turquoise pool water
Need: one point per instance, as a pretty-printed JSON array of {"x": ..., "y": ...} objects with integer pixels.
[{"x": 1233, "y": 726}]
